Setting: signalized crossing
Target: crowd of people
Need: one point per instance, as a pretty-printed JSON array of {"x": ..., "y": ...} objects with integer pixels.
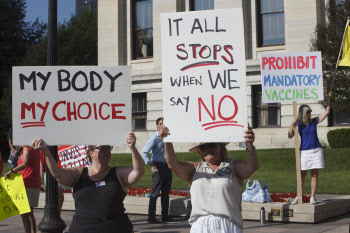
[{"x": 215, "y": 182}]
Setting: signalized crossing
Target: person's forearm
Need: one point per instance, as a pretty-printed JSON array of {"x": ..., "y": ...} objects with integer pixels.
[
  {"x": 137, "y": 162},
  {"x": 291, "y": 131},
  {"x": 253, "y": 162},
  {"x": 51, "y": 163},
  {"x": 170, "y": 154},
  {"x": 19, "y": 168}
]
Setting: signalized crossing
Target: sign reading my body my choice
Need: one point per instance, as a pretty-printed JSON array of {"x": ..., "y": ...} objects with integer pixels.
[
  {"x": 71, "y": 105},
  {"x": 204, "y": 77},
  {"x": 288, "y": 77}
]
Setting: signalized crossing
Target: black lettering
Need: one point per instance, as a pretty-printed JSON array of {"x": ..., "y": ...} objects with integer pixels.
[
  {"x": 60, "y": 80},
  {"x": 93, "y": 82},
  {"x": 112, "y": 79},
  {"x": 23, "y": 78},
  {"x": 196, "y": 21},
  {"x": 45, "y": 78}
]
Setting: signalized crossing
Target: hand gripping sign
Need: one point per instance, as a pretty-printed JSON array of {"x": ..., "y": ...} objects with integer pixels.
[
  {"x": 71, "y": 104},
  {"x": 204, "y": 76}
]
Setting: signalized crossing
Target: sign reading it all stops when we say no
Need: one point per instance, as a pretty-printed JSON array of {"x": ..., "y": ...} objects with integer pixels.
[
  {"x": 71, "y": 105},
  {"x": 204, "y": 76}
]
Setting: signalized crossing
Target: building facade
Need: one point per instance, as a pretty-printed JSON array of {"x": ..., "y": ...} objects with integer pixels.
[{"x": 129, "y": 34}]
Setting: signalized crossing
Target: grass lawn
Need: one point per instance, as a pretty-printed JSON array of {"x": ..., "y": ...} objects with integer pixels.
[{"x": 276, "y": 167}]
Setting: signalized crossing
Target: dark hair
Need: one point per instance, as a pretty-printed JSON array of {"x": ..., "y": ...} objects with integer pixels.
[
  {"x": 90, "y": 147},
  {"x": 159, "y": 119}
]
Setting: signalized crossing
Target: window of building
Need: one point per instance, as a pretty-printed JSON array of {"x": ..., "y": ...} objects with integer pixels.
[
  {"x": 139, "y": 110},
  {"x": 264, "y": 115},
  {"x": 143, "y": 29},
  {"x": 270, "y": 22},
  {"x": 341, "y": 118},
  {"x": 201, "y": 5}
]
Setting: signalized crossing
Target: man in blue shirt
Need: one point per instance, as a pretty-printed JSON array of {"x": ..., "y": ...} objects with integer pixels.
[{"x": 162, "y": 176}]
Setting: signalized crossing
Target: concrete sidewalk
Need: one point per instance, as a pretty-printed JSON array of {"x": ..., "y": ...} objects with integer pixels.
[{"x": 334, "y": 225}]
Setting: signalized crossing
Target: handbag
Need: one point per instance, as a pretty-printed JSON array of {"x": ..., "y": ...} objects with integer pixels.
[{"x": 256, "y": 193}]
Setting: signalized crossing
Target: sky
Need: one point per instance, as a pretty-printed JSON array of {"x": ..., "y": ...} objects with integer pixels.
[{"x": 40, "y": 8}]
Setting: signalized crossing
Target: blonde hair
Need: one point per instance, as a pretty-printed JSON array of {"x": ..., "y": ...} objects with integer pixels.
[{"x": 302, "y": 118}]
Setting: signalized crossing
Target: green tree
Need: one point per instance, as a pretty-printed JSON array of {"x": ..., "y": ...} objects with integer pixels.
[
  {"x": 15, "y": 36},
  {"x": 327, "y": 39},
  {"x": 76, "y": 43}
]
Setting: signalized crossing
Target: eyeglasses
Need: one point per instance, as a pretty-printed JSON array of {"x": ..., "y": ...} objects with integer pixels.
[
  {"x": 309, "y": 111},
  {"x": 103, "y": 148},
  {"x": 207, "y": 146}
]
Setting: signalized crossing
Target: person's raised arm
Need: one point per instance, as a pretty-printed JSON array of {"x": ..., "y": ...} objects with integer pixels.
[
  {"x": 184, "y": 170},
  {"x": 291, "y": 128},
  {"x": 323, "y": 116},
  {"x": 66, "y": 176},
  {"x": 23, "y": 165},
  {"x": 245, "y": 168},
  {"x": 131, "y": 175}
]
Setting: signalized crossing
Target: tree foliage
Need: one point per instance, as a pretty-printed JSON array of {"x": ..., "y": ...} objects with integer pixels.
[
  {"x": 15, "y": 36},
  {"x": 327, "y": 39},
  {"x": 76, "y": 43}
]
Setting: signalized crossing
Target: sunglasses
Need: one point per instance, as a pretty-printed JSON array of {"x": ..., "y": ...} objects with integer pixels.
[
  {"x": 103, "y": 148},
  {"x": 207, "y": 146},
  {"x": 309, "y": 111}
]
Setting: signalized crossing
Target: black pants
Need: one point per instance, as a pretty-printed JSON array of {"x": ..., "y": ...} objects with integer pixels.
[{"x": 161, "y": 183}]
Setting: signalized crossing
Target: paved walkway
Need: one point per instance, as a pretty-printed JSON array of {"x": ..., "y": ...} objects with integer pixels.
[{"x": 334, "y": 225}]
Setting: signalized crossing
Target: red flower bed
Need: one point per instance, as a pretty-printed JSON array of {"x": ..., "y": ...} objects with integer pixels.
[
  {"x": 283, "y": 197},
  {"x": 143, "y": 191}
]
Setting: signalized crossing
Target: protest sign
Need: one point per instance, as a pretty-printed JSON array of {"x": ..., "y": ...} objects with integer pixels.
[
  {"x": 13, "y": 197},
  {"x": 73, "y": 156},
  {"x": 71, "y": 104},
  {"x": 288, "y": 77},
  {"x": 204, "y": 76}
]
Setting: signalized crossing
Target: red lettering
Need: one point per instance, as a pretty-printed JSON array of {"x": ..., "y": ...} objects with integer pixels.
[
  {"x": 54, "y": 111},
  {"x": 44, "y": 108},
  {"x": 313, "y": 58},
  {"x": 100, "y": 111},
  {"x": 235, "y": 104},
  {"x": 217, "y": 48},
  {"x": 95, "y": 111},
  {"x": 89, "y": 112},
  {"x": 200, "y": 103},
  {"x": 181, "y": 50},
  {"x": 300, "y": 59},
  {"x": 226, "y": 48},
  {"x": 265, "y": 60},
  {"x": 114, "y": 112},
  {"x": 277, "y": 63},
  {"x": 25, "y": 107},
  {"x": 70, "y": 112},
  {"x": 271, "y": 61}
]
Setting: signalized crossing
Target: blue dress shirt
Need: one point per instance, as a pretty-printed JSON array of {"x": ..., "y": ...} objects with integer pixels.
[{"x": 156, "y": 145}]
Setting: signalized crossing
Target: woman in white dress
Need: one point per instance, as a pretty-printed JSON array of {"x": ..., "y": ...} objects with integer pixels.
[{"x": 311, "y": 153}]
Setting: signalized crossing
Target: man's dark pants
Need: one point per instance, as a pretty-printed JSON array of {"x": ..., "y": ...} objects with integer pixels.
[{"x": 161, "y": 183}]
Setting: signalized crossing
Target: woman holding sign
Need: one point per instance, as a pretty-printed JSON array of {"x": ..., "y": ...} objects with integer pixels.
[
  {"x": 98, "y": 190},
  {"x": 216, "y": 183},
  {"x": 311, "y": 153}
]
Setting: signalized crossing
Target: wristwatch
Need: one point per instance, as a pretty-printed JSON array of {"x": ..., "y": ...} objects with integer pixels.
[{"x": 12, "y": 171}]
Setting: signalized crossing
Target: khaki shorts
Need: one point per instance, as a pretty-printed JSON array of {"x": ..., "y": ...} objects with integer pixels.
[{"x": 33, "y": 196}]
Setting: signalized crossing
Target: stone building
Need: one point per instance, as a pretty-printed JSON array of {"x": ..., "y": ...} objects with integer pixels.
[{"x": 129, "y": 34}]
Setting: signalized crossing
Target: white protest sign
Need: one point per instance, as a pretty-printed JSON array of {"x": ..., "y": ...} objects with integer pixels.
[
  {"x": 67, "y": 105},
  {"x": 204, "y": 76},
  {"x": 73, "y": 156},
  {"x": 288, "y": 77}
]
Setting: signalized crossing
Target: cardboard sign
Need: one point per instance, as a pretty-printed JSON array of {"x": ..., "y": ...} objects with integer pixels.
[
  {"x": 289, "y": 77},
  {"x": 73, "y": 156},
  {"x": 204, "y": 76},
  {"x": 83, "y": 105},
  {"x": 13, "y": 197}
]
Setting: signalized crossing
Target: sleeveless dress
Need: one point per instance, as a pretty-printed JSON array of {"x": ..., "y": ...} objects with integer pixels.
[
  {"x": 99, "y": 205},
  {"x": 311, "y": 153},
  {"x": 216, "y": 200}
]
